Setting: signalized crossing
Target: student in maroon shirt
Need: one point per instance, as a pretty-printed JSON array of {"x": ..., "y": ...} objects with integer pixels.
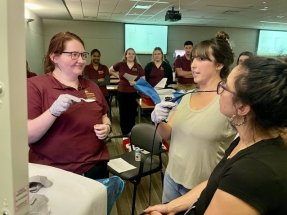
[
  {"x": 64, "y": 131},
  {"x": 182, "y": 67},
  {"x": 158, "y": 69},
  {"x": 127, "y": 95},
  {"x": 98, "y": 72}
]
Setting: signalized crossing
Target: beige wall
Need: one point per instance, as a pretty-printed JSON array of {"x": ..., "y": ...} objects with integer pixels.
[
  {"x": 108, "y": 37},
  {"x": 34, "y": 42},
  {"x": 13, "y": 110},
  {"x": 105, "y": 36}
]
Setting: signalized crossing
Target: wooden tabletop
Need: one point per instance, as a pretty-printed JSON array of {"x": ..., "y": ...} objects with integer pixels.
[
  {"x": 112, "y": 87},
  {"x": 143, "y": 105}
]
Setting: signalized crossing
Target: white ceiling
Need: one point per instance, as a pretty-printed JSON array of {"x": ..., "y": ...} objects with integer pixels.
[{"x": 259, "y": 14}]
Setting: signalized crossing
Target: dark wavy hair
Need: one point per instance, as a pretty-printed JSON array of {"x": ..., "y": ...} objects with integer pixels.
[
  {"x": 221, "y": 51},
  {"x": 95, "y": 51},
  {"x": 57, "y": 46},
  {"x": 263, "y": 85}
]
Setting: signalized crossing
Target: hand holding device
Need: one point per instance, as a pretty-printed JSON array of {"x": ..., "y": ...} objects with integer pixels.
[
  {"x": 62, "y": 103},
  {"x": 161, "y": 111}
]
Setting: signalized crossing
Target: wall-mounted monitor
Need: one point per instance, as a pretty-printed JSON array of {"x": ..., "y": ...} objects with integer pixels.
[
  {"x": 272, "y": 43},
  {"x": 144, "y": 38}
]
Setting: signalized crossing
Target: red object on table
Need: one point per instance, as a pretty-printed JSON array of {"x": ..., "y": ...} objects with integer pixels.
[{"x": 147, "y": 100}]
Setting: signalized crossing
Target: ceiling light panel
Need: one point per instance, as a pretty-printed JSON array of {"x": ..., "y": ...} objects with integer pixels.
[
  {"x": 90, "y": 8},
  {"x": 143, "y": 7}
]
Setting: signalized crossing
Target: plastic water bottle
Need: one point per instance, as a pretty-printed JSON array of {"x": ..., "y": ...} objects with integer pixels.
[{"x": 137, "y": 154}]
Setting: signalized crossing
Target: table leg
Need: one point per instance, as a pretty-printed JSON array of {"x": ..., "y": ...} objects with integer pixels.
[{"x": 139, "y": 114}]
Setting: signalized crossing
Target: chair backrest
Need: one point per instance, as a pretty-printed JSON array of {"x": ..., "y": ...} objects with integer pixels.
[{"x": 143, "y": 136}]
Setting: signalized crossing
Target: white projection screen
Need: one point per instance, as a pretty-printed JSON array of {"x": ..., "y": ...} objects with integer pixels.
[
  {"x": 144, "y": 38},
  {"x": 272, "y": 43}
]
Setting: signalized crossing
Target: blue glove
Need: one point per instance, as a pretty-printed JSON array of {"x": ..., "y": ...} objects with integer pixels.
[
  {"x": 161, "y": 111},
  {"x": 62, "y": 104}
]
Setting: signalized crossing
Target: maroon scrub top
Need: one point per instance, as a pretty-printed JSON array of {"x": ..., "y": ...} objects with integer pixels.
[
  {"x": 122, "y": 67},
  {"x": 185, "y": 65},
  {"x": 92, "y": 74},
  {"x": 70, "y": 143}
]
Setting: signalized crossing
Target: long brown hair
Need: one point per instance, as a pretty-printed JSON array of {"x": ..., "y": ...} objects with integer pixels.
[{"x": 221, "y": 51}]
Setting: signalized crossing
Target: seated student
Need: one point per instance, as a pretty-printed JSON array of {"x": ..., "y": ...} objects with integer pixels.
[
  {"x": 243, "y": 56},
  {"x": 158, "y": 69},
  {"x": 252, "y": 176}
]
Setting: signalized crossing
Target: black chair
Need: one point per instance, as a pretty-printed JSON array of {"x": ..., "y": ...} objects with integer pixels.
[{"x": 143, "y": 136}]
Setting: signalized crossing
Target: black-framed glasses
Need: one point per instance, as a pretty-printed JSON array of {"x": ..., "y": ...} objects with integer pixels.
[
  {"x": 221, "y": 86},
  {"x": 76, "y": 55}
]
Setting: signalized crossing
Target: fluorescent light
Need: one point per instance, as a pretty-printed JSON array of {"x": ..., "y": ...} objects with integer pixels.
[
  {"x": 158, "y": 2},
  {"x": 144, "y": 7},
  {"x": 281, "y": 23}
]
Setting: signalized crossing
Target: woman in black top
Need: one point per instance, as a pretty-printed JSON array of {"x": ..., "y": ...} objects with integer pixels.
[
  {"x": 158, "y": 69},
  {"x": 252, "y": 176}
]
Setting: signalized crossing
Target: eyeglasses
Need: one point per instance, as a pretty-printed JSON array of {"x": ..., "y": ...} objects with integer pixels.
[
  {"x": 221, "y": 86},
  {"x": 76, "y": 55}
]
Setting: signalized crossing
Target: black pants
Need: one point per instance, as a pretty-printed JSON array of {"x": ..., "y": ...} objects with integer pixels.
[
  {"x": 128, "y": 110},
  {"x": 100, "y": 170}
]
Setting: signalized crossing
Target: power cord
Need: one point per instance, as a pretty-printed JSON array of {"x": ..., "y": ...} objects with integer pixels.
[{"x": 153, "y": 142}]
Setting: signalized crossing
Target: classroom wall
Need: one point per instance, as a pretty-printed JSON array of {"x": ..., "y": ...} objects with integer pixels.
[
  {"x": 34, "y": 42},
  {"x": 105, "y": 36},
  {"x": 108, "y": 37}
]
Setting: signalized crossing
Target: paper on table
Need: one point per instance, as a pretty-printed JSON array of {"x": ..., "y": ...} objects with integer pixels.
[
  {"x": 120, "y": 165},
  {"x": 161, "y": 84},
  {"x": 130, "y": 77}
]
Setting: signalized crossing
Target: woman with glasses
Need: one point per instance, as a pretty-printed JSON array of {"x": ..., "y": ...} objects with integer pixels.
[
  {"x": 128, "y": 71},
  {"x": 198, "y": 133},
  {"x": 158, "y": 69},
  {"x": 64, "y": 129},
  {"x": 252, "y": 176}
]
